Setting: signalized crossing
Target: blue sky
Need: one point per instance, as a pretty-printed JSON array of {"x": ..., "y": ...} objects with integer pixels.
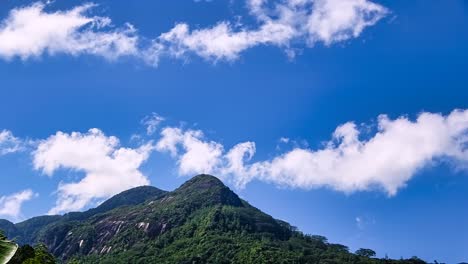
[{"x": 291, "y": 94}]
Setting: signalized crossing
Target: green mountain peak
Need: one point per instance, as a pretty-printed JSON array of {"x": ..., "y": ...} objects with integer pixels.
[{"x": 208, "y": 190}]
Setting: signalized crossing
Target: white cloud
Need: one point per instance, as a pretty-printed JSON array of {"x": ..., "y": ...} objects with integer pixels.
[
  {"x": 31, "y": 31},
  {"x": 109, "y": 168},
  {"x": 10, "y": 205},
  {"x": 198, "y": 156},
  {"x": 9, "y": 143},
  {"x": 152, "y": 123},
  {"x": 235, "y": 162},
  {"x": 386, "y": 160},
  {"x": 280, "y": 24},
  {"x": 337, "y": 20},
  {"x": 222, "y": 42}
]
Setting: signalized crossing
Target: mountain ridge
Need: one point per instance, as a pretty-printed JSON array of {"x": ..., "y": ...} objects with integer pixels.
[
  {"x": 24, "y": 232},
  {"x": 202, "y": 221}
]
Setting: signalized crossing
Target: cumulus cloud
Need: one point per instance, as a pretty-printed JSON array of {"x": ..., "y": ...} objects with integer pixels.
[
  {"x": 383, "y": 158},
  {"x": 337, "y": 20},
  {"x": 10, "y": 205},
  {"x": 235, "y": 160},
  {"x": 349, "y": 162},
  {"x": 9, "y": 143},
  {"x": 33, "y": 30},
  {"x": 108, "y": 168},
  {"x": 196, "y": 156}
]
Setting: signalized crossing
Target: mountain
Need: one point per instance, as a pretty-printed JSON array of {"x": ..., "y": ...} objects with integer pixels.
[
  {"x": 130, "y": 197},
  {"x": 27, "y": 232},
  {"x": 202, "y": 221}
]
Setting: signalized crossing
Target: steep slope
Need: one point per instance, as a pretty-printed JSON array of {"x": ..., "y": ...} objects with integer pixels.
[
  {"x": 120, "y": 229},
  {"x": 129, "y": 197},
  {"x": 202, "y": 221},
  {"x": 27, "y": 232},
  {"x": 7, "y": 227}
]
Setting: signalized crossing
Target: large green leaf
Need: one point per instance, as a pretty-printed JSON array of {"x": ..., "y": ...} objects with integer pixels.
[{"x": 7, "y": 250}]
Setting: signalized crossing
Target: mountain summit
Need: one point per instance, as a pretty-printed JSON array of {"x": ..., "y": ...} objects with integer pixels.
[
  {"x": 208, "y": 189},
  {"x": 202, "y": 221}
]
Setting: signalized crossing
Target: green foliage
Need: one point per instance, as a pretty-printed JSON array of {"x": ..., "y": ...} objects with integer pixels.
[
  {"x": 364, "y": 252},
  {"x": 29, "y": 255},
  {"x": 27, "y": 231},
  {"x": 130, "y": 197}
]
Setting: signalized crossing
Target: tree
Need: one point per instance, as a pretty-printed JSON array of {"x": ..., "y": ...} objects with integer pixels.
[
  {"x": 42, "y": 255},
  {"x": 2, "y": 235},
  {"x": 321, "y": 239},
  {"x": 365, "y": 252},
  {"x": 22, "y": 254},
  {"x": 29, "y": 255}
]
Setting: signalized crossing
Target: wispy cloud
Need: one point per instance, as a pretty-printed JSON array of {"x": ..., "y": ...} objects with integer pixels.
[
  {"x": 32, "y": 31},
  {"x": 9, "y": 143},
  {"x": 10, "y": 205},
  {"x": 152, "y": 122}
]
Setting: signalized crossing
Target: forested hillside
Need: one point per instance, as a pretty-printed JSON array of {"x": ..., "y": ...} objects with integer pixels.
[{"x": 202, "y": 221}]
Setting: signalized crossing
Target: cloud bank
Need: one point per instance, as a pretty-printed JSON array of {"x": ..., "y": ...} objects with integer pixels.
[
  {"x": 348, "y": 162},
  {"x": 382, "y": 156},
  {"x": 32, "y": 31},
  {"x": 10, "y": 205},
  {"x": 108, "y": 168}
]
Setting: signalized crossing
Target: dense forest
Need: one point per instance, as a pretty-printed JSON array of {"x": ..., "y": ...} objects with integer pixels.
[{"x": 202, "y": 221}]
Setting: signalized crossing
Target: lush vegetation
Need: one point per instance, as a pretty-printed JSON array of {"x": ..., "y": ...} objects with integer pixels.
[
  {"x": 24, "y": 254},
  {"x": 226, "y": 234},
  {"x": 33, "y": 255},
  {"x": 203, "y": 221},
  {"x": 130, "y": 197}
]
